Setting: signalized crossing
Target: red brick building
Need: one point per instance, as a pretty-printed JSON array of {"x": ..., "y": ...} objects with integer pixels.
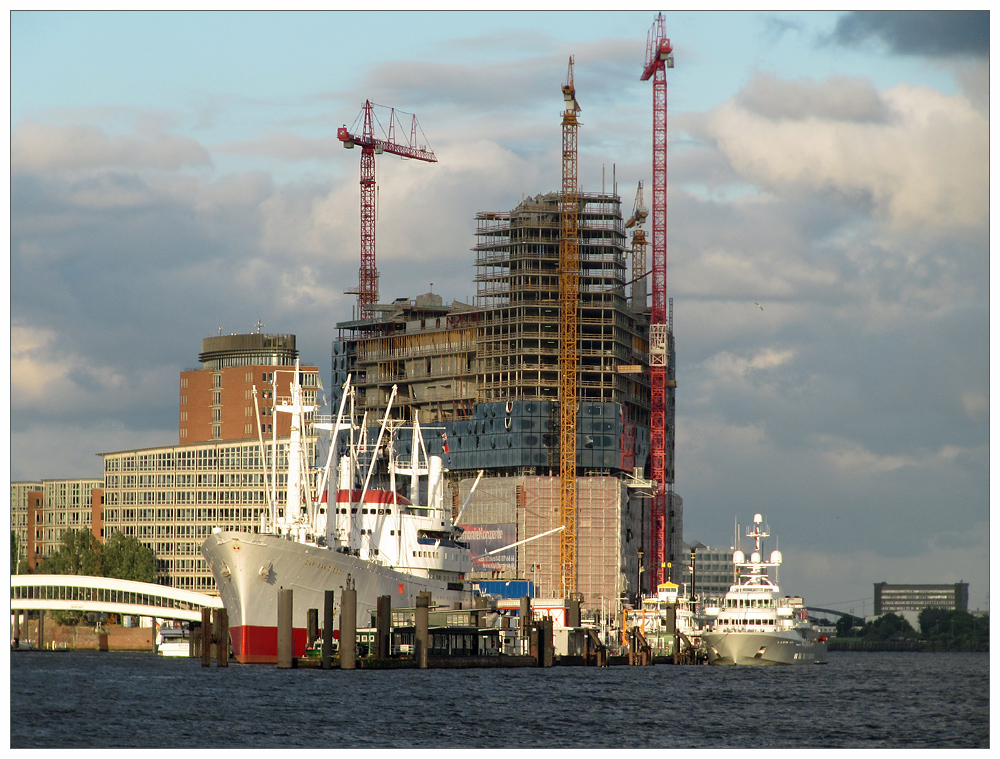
[{"x": 218, "y": 401}]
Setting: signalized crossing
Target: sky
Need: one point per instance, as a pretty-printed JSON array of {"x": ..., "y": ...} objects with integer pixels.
[{"x": 174, "y": 174}]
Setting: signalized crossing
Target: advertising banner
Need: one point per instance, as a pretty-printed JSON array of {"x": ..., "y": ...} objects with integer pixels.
[{"x": 488, "y": 537}]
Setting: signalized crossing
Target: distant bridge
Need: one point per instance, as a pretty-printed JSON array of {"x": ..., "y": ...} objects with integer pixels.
[
  {"x": 109, "y": 595},
  {"x": 813, "y": 611}
]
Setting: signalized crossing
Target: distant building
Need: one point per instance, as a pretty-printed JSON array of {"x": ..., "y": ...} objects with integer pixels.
[
  {"x": 41, "y": 511},
  {"x": 915, "y": 598},
  {"x": 217, "y": 401},
  {"x": 713, "y": 571}
]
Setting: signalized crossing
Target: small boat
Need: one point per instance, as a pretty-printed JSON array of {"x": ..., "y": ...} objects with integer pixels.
[
  {"x": 668, "y": 622},
  {"x": 756, "y": 625},
  {"x": 173, "y": 641}
]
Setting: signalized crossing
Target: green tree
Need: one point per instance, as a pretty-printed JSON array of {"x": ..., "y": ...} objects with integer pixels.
[
  {"x": 955, "y": 630},
  {"x": 126, "y": 558},
  {"x": 844, "y": 626},
  {"x": 888, "y": 627},
  {"x": 15, "y": 551},
  {"x": 80, "y": 554}
]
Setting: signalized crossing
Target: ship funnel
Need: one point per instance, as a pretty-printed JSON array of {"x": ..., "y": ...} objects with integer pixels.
[{"x": 435, "y": 482}]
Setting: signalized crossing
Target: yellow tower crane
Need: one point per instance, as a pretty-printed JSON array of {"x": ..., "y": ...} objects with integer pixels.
[{"x": 569, "y": 300}]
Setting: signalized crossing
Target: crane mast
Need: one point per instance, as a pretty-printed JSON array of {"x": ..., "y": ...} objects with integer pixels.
[
  {"x": 569, "y": 297},
  {"x": 659, "y": 57},
  {"x": 371, "y": 146},
  {"x": 636, "y": 220}
]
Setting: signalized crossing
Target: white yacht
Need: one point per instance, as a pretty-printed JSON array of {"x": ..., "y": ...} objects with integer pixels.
[{"x": 756, "y": 625}]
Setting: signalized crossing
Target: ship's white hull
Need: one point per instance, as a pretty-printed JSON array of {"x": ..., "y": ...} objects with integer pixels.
[
  {"x": 249, "y": 569},
  {"x": 762, "y": 648}
]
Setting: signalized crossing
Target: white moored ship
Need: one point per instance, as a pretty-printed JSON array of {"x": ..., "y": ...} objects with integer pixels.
[
  {"x": 375, "y": 539},
  {"x": 756, "y": 625}
]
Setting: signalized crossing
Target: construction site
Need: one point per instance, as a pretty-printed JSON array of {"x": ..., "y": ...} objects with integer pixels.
[{"x": 558, "y": 382}]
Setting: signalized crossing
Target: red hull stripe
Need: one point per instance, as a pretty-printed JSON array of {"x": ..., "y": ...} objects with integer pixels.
[
  {"x": 373, "y": 496},
  {"x": 253, "y": 644}
]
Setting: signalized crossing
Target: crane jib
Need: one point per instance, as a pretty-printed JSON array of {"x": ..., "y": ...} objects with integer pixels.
[{"x": 387, "y": 147}]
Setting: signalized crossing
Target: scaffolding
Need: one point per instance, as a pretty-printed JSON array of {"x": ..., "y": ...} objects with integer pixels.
[{"x": 517, "y": 289}]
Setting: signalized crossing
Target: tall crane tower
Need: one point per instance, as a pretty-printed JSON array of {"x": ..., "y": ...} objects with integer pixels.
[
  {"x": 569, "y": 300},
  {"x": 367, "y": 291},
  {"x": 659, "y": 57}
]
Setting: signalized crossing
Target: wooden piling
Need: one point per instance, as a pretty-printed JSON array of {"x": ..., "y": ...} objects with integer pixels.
[
  {"x": 383, "y": 623},
  {"x": 327, "y": 657},
  {"x": 572, "y": 612},
  {"x": 222, "y": 640},
  {"x": 348, "y": 628},
  {"x": 545, "y": 642},
  {"x": 422, "y": 641},
  {"x": 312, "y": 626},
  {"x": 286, "y": 653},
  {"x": 206, "y": 637}
]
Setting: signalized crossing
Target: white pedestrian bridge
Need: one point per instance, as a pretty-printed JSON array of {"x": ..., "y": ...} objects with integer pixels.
[{"x": 109, "y": 595}]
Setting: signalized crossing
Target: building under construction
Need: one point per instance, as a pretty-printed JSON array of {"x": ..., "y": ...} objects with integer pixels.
[
  {"x": 554, "y": 381},
  {"x": 484, "y": 380}
]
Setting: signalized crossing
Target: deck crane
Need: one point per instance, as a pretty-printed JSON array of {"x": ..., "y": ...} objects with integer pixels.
[
  {"x": 659, "y": 57},
  {"x": 636, "y": 220},
  {"x": 367, "y": 291},
  {"x": 569, "y": 301}
]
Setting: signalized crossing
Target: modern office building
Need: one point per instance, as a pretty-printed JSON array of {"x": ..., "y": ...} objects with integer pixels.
[
  {"x": 41, "y": 511},
  {"x": 714, "y": 571},
  {"x": 915, "y": 598},
  {"x": 170, "y": 498}
]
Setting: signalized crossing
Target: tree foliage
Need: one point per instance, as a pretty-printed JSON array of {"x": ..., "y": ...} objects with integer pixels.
[
  {"x": 123, "y": 557},
  {"x": 888, "y": 627},
  {"x": 126, "y": 558},
  {"x": 80, "y": 554},
  {"x": 955, "y": 629},
  {"x": 940, "y": 630}
]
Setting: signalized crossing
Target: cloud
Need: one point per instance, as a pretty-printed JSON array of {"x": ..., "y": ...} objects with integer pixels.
[
  {"x": 286, "y": 146},
  {"x": 919, "y": 166},
  {"x": 37, "y": 147},
  {"x": 926, "y": 33},
  {"x": 838, "y": 99}
]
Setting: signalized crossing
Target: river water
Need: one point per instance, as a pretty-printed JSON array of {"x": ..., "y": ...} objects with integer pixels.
[{"x": 857, "y": 700}]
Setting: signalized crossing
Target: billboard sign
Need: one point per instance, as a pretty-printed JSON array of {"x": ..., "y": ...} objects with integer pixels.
[{"x": 483, "y": 538}]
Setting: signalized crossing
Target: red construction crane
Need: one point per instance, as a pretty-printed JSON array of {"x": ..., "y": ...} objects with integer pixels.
[
  {"x": 370, "y": 147},
  {"x": 659, "y": 57}
]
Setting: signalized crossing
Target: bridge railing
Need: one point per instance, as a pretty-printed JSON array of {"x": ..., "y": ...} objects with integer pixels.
[{"x": 107, "y": 594}]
